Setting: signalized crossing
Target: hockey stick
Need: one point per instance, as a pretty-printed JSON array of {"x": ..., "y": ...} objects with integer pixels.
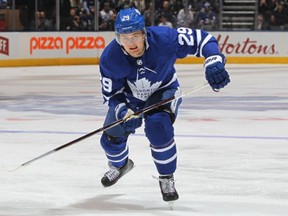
[{"x": 146, "y": 109}]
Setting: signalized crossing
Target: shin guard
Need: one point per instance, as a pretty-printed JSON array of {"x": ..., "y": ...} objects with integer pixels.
[
  {"x": 160, "y": 132},
  {"x": 116, "y": 149}
]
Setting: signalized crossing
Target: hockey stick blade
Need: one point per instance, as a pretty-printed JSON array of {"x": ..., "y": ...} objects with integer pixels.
[{"x": 146, "y": 109}]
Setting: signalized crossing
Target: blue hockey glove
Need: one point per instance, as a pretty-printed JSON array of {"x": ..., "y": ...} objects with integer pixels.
[
  {"x": 131, "y": 122},
  {"x": 215, "y": 72}
]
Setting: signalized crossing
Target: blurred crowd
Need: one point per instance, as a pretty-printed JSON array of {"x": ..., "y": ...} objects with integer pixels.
[
  {"x": 79, "y": 15},
  {"x": 272, "y": 15},
  {"x": 197, "y": 14}
]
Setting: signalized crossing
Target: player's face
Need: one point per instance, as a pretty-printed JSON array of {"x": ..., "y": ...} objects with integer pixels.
[{"x": 133, "y": 43}]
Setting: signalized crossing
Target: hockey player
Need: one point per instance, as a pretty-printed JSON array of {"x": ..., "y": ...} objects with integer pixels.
[{"x": 137, "y": 70}]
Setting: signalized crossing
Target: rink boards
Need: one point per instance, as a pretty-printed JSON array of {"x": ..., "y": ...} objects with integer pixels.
[{"x": 81, "y": 48}]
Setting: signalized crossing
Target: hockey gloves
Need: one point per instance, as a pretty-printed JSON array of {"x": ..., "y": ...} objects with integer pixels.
[
  {"x": 215, "y": 72},
  {"x": 131, "y": 122}
]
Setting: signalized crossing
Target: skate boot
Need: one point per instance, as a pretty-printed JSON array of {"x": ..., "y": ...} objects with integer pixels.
[
  {"x": 167, "y": 186},
  {"x": 115, "y": 173}
]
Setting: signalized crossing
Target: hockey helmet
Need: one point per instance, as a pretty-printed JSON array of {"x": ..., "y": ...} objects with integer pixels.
[{"x": 129, "y": 20}]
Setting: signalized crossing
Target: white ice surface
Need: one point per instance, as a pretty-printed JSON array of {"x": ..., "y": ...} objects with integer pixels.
[{"x": 232, "y": 146}]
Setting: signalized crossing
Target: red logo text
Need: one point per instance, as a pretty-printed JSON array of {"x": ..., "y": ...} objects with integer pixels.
[
  {"x": 70, "y": 43},
  {"x": 247, "y": 46},
  {"x": 4, "y": 46}
]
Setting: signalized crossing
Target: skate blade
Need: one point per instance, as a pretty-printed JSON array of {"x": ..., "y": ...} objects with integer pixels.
[{"x": 171, "y": 205}]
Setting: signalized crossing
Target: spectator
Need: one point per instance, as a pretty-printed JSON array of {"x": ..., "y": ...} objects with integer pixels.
[
  {"x": 101, "y": 24},
  {"x": 113, "y": 3},
  {"x": 87, "y": 5},
  {"x": 274, "y": 4},
  {"x": 165, "y": 22},
  {"x": 197, "y": 4},
  {"x": 265, "y": 8},
  {"x": 176, "y": 6},
  {"x": 35, "y": 22},
  {"x": 185, "y": 17},
  {"x": 44, "y": 24},
  {"x": 108, "y": 16},
  {"x": 72, "y": 23},
  {"x": 165, "y": 10},
  {"x": 280, "y": 13},
  {"x": 261, "y": 23},
  {"x": 86, "y": 20},
  {"x": 3, "y": 4},
  {"x": 148, "y": 15},
  {"x": 207, "y": 19},
  {"x": 272, "y": 23},
  {"x": 215, "y": 5}
]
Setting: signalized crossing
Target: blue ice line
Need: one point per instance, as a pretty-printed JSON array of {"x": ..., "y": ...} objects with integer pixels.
[{"x": 180, "y": 135}]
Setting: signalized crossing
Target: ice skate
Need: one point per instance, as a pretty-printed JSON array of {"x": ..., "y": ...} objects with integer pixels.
[
  {"x": 167, "y": 186},
  {"x": 115, "y": 173}
]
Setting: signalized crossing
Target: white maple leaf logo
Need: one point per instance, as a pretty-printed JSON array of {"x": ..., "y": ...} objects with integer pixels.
[{"x": 142, "y": 88}]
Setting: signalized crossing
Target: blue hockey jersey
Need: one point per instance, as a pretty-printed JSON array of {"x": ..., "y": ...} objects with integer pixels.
[{"x": 132, "y": 80}]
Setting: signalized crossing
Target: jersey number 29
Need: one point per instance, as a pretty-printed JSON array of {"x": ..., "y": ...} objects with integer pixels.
[{"x": 185, "y": 34}]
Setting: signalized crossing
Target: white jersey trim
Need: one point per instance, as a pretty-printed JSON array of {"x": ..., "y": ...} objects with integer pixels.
[{"x": 204, "y": 43}]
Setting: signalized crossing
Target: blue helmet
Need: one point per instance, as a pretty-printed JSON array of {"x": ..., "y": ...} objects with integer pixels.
[{"x": 129, "y": 20}]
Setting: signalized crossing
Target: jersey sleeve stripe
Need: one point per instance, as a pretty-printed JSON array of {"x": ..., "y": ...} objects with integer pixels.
[
  {"x": 199, "y": 39},
  {"x": 205, "y": 41}
]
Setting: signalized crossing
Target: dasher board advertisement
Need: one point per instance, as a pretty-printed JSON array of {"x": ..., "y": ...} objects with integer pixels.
[{"x": 60, "y": 48}]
